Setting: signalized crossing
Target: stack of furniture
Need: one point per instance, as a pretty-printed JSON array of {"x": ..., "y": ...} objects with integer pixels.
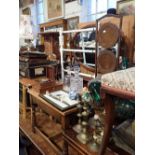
[
  {"x": 34, "y": 107},
  {"x": 32, "y": 64}
]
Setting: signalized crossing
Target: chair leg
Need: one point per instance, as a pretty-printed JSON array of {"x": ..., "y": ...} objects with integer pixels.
[{"x": 108, "y": 122}]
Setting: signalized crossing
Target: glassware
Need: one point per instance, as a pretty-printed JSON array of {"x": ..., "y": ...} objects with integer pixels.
[
  {"x": 76, "y": 83},
  {"x": 94, "y": 87},
  {"x": 67, "y": 79},
  {"x": 124, "y": 63}
]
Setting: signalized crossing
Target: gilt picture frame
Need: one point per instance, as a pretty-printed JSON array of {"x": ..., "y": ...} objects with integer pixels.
[
  {"x": 126, "y": 7},
  {"x": 26, "y": 2},
  {"x": 72, "y": 23},
  {"x": 26, "y": 11},
  {"x": 55, "y": 9}
]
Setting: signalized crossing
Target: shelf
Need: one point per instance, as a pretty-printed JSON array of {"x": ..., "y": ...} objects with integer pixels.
[
  {"x": 42, "y": 33},
  {"x": 37, "y": 140},
  {"x": 82, "y": 74},
  {"x": 70, "y": 137},
  {"x": 79, "y": 30},
  {"x": 78, "y": 50},
  {"x": 86, "y": 76}
]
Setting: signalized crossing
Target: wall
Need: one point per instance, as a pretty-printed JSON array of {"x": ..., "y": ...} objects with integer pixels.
[
  {"x": 33, "y": 16},
  {"x": 71, "y": 9}
]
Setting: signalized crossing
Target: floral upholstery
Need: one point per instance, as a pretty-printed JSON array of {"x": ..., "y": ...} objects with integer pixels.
[{"x": 122, "y": 79}]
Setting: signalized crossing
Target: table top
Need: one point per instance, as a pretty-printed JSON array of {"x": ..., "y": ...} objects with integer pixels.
[
  {"x": 49, "y": 107},
  {"x": 28, "y": 82}
]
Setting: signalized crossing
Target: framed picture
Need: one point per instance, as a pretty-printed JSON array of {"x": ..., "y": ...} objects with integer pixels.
[
  {"x": 26, "y": 2},
  {"x": 26, "y": 11},
  {"x": 72, "y": 23},
  {"x": 60, "y": 99},
  {"x": 126, "y": 7},
  {"x": 67, "y": 1},
  {"x": 55, "y": 9}
]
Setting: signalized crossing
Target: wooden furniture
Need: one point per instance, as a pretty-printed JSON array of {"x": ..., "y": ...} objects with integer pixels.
[
  {"x": 25, "y": 83},
  {"x": 107, "y": 37},
  {"x": 82, "y": 149},
  {"x": 37, "y": 140},
  {"x": 107, "y": 92},
  {"x": 50, "y": 35},
  {"x": 128, "y": 32},
  {"x": 64, "y": 117},
  {"x": 50, "y": 86},
  {"x": 74, "y": 50}
]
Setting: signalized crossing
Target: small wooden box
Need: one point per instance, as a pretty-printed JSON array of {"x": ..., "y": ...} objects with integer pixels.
[{"x": 49, "y": 86}]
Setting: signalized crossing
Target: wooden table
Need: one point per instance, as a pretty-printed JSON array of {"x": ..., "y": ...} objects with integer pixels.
[
  {"x": 26, "y": 128},
  {"x": 106, "y": 94},
  {"x": 82, "y": 149},
  {"x": 35, "y": 99},
  {"x": 26, "y": 83}
]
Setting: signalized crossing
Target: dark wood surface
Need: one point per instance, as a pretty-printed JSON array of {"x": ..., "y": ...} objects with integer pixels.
[
  {"x": 106, "y": 94},
  {"x": 54, "y": 23},
  {"x": 82, "y": 149},
  {"x": 116, "y": 92},
  {"x": 28, "y": 82},
  {"x": 37, "y": 140}
]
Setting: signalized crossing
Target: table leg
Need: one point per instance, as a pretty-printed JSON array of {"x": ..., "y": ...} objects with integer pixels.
[
  {"x": 24, "y": 102},
  {"x": 33, "y": 116},
  {"x": 109, "y": 118},
  {"x": 65, "y": 125},
  {"x": 65, "y": 148}
]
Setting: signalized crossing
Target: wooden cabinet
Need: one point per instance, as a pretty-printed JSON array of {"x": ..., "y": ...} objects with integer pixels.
[{"x": 50, "y": 36}]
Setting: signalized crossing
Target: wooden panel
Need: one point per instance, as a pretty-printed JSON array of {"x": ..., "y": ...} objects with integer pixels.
[
  {"x": 53, "y": 23},
  {"x": 128, "y": 24},
  {"x": 51, "y": 40},
  {"x": 86, "y": 24},
  {"x": 116, "y": 92},
  {"x": 36, "y": 139},
  {"x": 112, "y": 20}
]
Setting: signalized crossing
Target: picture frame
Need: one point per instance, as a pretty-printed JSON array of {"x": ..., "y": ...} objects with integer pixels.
[
  {"x": 72, "y": 23},
  {"x": 26, "y": 11},
  {"x": 59, "y": 99},
  {"x": 26, "y": 2},
  {"x": 126, "y": 7},
  {"x": 55, "y": 9},
  {"x": 67, "y": 1}
]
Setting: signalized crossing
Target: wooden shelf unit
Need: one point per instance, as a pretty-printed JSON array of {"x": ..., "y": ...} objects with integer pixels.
[{"x": 50, "y": 39}]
